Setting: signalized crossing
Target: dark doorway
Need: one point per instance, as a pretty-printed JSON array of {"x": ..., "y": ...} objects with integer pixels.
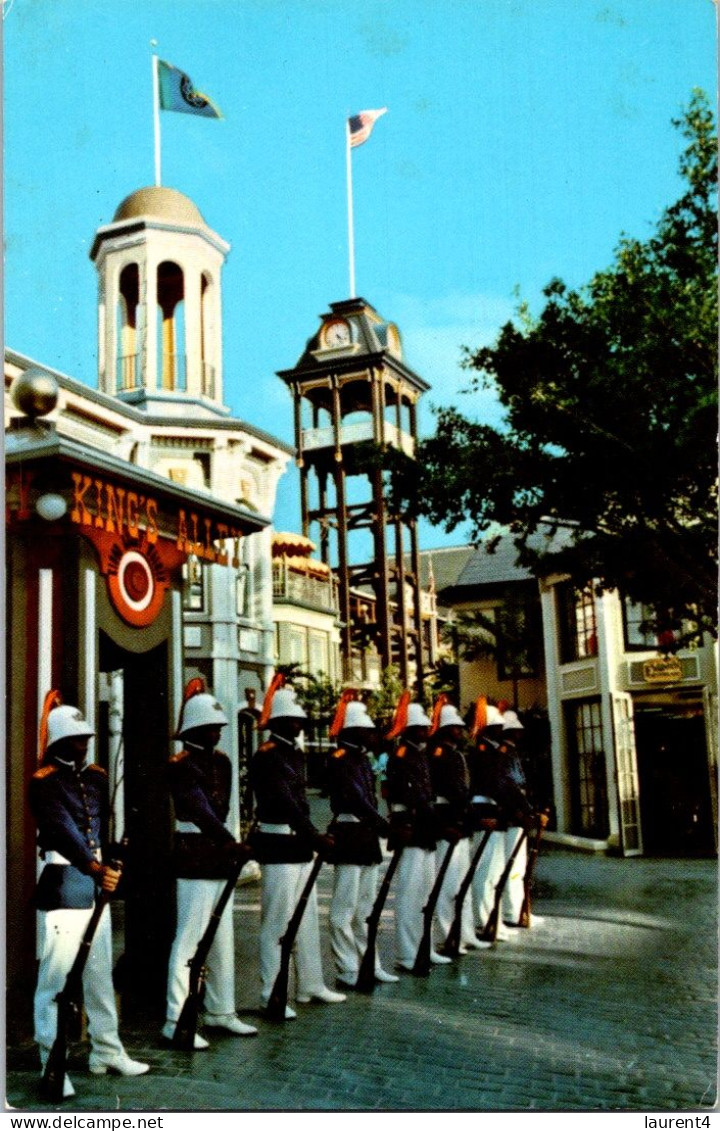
[
  {"x": 674, "y": 786},
  {"x": 149, "y": 897}
]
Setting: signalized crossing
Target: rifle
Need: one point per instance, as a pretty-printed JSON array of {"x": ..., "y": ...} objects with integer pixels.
[
  {"x": 451, "y": 946},
  {"x": 366, "y": 974},
  {"x": 277, "y": 1002},
  {"x": 490, "y": 930},
  {"x": 524, "y": 919},
  {"x": 186, "y": 1028},
  {"x": 69, "y": 1001},
  {"x": 421, "y": 967}
]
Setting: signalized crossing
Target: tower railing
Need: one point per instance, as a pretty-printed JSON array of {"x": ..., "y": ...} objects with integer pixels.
[
  {"x": 208, "y": 379},
  {"x": 128, "y": 375},
  {"x": 173, "y": 369},
  {"x": 359, "y": 430}
]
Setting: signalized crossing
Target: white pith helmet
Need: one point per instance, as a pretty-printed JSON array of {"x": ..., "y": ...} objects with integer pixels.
[
  {"x": 511, "y": 721},
  {"x": 494, "y": 718},
  {"x": 66, "y": 722},
  {"x": 356, "y": 716},
  {"x": 285, "y": 705},
  {"x": 450, "y": 717},
  {"x": 202, "y": 711},
  {"x": 416, "y": 716}
]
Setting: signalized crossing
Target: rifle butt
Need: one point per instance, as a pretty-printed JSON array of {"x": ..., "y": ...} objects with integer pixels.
[
  {"x": 186, "y": 1028},
  {"x": 52, "y": 1083},
  {"x": 277, "y": 1002},
  {"x": 421, "y": 966},
  {"x": 490, "y": 930},
  {"x": 365, "y": 983},
  {"x": 451, "y": 947}
]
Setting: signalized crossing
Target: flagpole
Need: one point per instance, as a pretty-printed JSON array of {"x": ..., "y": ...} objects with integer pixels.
[
  {"x": 351, "y": 239},
  {"x": 156, "y": 113}
]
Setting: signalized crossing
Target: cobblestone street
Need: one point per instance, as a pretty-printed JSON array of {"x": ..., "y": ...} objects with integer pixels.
[{"x": 608, "y": 1003}]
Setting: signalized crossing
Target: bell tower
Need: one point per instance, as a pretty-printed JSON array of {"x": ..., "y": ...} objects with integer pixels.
[
  {"x": 159, "y": 304},
  {"x": 355, "y": 417}
]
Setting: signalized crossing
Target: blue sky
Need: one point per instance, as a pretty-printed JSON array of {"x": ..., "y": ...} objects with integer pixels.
[{"x": 522, "y": 137}]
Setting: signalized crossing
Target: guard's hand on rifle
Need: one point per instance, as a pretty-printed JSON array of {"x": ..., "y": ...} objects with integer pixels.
[
  {"x": 451, "y": 835},
  {"x": 238, "y": 852},
  {"x": 383, "y": 828},
  {"x": 488, "y": 823},
  {"x": 542, "y": 820},
  {"x": 324, "y": 844},
  {"x": 107, "y": 877},
  {"x": 403, "y": 834}
]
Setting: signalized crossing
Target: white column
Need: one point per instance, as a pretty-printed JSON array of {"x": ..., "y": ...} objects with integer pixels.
[
  {"x": 89, "y": 654},
  {"x": 556, "y": 718},
  {"x": 45, "y": 624},
  {"x": 608, "y": 619}
]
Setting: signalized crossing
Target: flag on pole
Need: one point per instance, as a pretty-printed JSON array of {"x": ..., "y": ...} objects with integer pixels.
[
  {"x": 176, "y": 92},
  {"x": 360, "y": 125}
]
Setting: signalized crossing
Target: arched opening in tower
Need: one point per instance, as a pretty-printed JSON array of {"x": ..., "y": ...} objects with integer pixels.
[
  {"x": 128, "y": 368},
  {"x": 171, "y": 326}
]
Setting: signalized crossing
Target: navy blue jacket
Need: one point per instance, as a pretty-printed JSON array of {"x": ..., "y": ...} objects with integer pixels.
[
  {"x": 491, "y": 775},
  {"x": 200, "y": 784},
  {"x": 277, "y": 776},
  {"x": 409, "y": 784},
  {"x": 70, "y": 807},
  {"x": 451, "y": 780},
  {"x": 351, "y": 787}
]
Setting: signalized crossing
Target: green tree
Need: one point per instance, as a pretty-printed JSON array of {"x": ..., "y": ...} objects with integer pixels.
[{"x": 610, "y": 416}]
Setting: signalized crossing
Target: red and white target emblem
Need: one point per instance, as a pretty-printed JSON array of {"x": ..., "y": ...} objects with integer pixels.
[
  {"x": 136, "y": 581},
  {"x": 134, "y": 587}
]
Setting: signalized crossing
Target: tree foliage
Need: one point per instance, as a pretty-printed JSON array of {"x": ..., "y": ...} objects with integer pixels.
[{"x": 610, "y": 415}]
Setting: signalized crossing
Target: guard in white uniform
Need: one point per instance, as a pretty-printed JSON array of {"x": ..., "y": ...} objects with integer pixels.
[
  {"x": 284, "y": 844},
  {"x": 412, "y": 824},
  {"x": 69, "y": 800},
  {"x": 357, "y": 827},
  {"x": 451, "y": 783},
  {"x": 204, "y": 853},
  {"x": 515, "y": 888},
  {"x": 486, "y": 811}
]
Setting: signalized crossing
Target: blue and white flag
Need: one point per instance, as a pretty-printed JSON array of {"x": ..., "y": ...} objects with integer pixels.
[{"x": 178, "y": 93}]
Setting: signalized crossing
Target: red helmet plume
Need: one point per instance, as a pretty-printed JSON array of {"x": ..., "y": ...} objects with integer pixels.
[
  {"x": 348, "y": 696},
  {"x": 400, "y": 717},
  {"x": 278, "y": 681},
  {"x": 439, "y": 704},
  {"x": 479, "y": 719},
  {"x": 52, "y": 699}
]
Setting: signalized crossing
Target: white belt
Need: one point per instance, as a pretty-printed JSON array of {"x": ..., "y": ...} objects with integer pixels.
[
  {"x": 397, "y": 808},
  {"x": 347, "y": 819},
  {"x": 186, "y": 827},
  {"x": 53, "y": 857},
  {"x": 478, "y": 799},
  {"x": 441, "y": 801},
  {"x": 264, "y": 827}
]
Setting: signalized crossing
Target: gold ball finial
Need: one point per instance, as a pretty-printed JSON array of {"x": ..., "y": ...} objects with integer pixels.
[{"x": 35, "y": 392}]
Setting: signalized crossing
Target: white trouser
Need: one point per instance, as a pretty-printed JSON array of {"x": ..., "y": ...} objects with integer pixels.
[
  {"x": 196, "y": 900},
  {"x": 59, "y": 937},
  {"x": 487, "y": 875},
  {"x": 281, "y": 888},
  {"x": 445, "y": 907},
  {"x": 515, "y": 887},
  {"x": 415, "y": 875},
  {"x": 354, "y": 891}
]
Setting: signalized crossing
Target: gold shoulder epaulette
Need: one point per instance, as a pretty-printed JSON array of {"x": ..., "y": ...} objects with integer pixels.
[
  {"x": 265, "y": 746},
  {"x": 401, "y": 752},
  {"x": 437, "y": 752},
  {"x": 45, "y": 771},
  {"x": 182, "y": 754},
  {"x": 339, "y": 753},
  {"x": 98, "y": 769}
]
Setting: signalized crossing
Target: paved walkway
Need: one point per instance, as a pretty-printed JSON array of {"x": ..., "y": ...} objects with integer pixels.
[{"x": 608, "y": 1003}]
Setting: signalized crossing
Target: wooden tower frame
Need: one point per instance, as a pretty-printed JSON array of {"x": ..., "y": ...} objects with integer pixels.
[{"x": 353, "y": 367}]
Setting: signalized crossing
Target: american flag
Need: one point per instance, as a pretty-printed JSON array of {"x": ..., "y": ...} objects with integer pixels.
[{"x": 360, "y": 125}]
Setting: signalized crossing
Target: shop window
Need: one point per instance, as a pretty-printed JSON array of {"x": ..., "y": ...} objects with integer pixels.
[
  {"x": 588, "y": 777},
  {"x": 642, "y": 633},
  {"x": 194, "y": 585},
  {"x": 576, "y": 622},
  {"x": 318, "y": 648}
]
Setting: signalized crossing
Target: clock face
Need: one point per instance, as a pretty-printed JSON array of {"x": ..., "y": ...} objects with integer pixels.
[{"x": 336, "y": 334}]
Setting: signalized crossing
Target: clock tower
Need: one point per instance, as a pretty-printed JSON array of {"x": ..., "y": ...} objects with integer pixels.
[{"x": 355, "y": 420}]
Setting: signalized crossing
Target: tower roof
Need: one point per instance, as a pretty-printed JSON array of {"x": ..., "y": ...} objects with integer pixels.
[{"x": 162, "y": 204}]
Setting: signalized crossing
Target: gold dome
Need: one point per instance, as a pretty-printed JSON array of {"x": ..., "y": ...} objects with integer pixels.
[{"x": 162, "y": 204}]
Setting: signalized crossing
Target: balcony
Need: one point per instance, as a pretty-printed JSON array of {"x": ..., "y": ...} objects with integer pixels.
[
  {"x": 362, "y": 430},
  {"x": 128, "y": 372},
  {"x": 299, "y": 586}
]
